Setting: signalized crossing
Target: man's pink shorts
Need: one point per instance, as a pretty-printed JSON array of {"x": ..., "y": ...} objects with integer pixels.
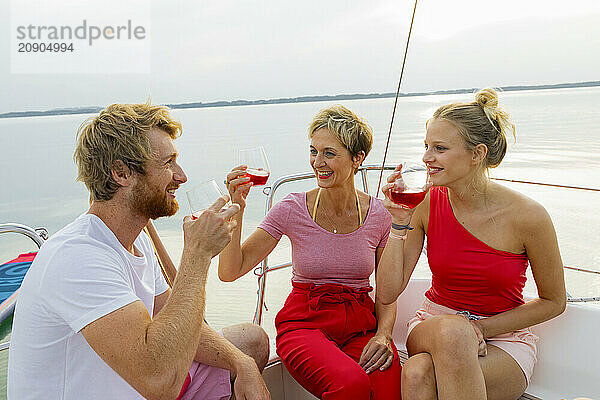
[
  {"x": 520, "y": 345},
  {"x": 207, "y": 383}
]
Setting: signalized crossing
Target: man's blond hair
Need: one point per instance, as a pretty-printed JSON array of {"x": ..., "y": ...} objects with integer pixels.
[{"x": 119, "y": 132}]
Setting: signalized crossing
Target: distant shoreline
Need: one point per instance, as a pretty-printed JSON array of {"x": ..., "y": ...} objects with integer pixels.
[{"x": 302, "y": 99}]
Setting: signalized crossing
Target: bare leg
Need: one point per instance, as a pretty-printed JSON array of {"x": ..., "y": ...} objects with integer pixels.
[
  {"x": 453, "y": 346},
  {"x": 250, "y": 339},
  {"x": 418, "y": 378},
  {"x": 504, "y": 379}
]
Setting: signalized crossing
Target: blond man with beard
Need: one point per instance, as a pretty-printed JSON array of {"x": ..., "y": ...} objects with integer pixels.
[{"x": 95, "y": 318}]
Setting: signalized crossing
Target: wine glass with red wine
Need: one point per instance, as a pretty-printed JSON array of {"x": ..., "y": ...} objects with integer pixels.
[
  {"x": 203, "y": 196},
  {"x": 258, "y": 167},
  {"x": 410, "y": 189}
]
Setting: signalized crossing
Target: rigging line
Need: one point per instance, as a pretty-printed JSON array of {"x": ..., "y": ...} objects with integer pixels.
[
  {"x": 547, "y": 184},
  {"x": 164, "y": 261},
  {"x": 387, "y": 144},
  {"x": 580, "y": 269}
]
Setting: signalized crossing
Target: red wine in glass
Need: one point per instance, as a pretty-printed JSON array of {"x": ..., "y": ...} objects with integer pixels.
[
  {"x": 410, "y": 189},
  {"x": 257, "y": 176},
  {"x": 203, "y": 196},
  {"x": 407, "y": 198},
  {"x": 258, "y": 167}
]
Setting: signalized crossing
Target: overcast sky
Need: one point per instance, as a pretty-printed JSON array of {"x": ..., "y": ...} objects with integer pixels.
[{"x": 227, "y": 50}]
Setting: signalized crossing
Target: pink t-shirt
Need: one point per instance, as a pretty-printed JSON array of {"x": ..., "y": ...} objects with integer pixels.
[{"x": 320, "y": 256}]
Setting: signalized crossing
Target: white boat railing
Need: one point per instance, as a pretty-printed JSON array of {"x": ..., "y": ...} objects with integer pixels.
[{"x": 38, "y": 235}]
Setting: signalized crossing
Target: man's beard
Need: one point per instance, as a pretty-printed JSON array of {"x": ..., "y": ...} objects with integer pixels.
[{"x": 151, "y": 203}]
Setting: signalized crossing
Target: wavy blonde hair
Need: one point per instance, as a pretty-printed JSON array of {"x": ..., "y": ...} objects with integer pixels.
[
  {"x": 119, "y": 132},
  {"x": 352, "y": 131}
]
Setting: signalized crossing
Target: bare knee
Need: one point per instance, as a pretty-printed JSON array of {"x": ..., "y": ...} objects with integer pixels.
[
  {"x": 262, "y": 345},
  {"x": 454, "y": 336},
  {"x": 254, "y": 342},
  {"x": 418, "y": 369},
  {"x": 418, "y": 377}
]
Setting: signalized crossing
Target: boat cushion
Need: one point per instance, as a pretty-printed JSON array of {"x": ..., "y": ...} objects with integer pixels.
[{"x": 12, "y": 274}]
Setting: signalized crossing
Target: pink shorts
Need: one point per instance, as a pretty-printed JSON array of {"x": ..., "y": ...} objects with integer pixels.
[
  {"x": 520, "y": 345},
  {"x": 206, "y": 382}
]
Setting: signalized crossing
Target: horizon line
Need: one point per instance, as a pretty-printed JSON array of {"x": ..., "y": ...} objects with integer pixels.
[{"x": 300, "y": 99}]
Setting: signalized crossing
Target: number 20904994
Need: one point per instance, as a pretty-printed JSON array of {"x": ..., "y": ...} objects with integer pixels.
[{"x": 45, "y": 47}]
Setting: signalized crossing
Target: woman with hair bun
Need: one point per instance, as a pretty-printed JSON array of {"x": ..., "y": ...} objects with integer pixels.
[{"x": 471, "y": 337}]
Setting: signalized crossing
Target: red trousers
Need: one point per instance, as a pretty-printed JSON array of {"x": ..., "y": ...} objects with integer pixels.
[{"x": 321, "y": 333}]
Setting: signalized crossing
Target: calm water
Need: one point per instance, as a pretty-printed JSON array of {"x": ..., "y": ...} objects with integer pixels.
[{"x": 558, "y": 141}]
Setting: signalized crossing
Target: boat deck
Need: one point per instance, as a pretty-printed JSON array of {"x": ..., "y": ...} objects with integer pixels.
[{"x": 283, "y": 386}]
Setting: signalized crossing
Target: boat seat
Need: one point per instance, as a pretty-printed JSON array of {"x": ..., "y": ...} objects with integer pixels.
[
  {"x": 566, "y": 367},
  {"x": 273, "y": 356}
]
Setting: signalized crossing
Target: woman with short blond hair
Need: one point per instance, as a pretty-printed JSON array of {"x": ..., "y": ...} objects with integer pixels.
[{"x": 331, "y": 336}]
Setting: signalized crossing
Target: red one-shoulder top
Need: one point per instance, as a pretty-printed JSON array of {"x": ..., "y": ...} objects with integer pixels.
[{"x": 467, "y": 274}]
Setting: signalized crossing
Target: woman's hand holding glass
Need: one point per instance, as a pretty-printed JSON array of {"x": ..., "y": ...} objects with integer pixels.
[
  {"x": 400, "y": 214},
  {"x": 238, "y": 184},
  {"x": 255, "y": 159},
  {"x": 403, "y": 195}
]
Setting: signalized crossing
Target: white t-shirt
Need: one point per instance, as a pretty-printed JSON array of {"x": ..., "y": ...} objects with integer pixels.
[{"x": 79, "y": 275}]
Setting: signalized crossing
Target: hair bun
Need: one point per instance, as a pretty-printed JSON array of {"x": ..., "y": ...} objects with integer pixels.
[{"x": 487, "y": 98}]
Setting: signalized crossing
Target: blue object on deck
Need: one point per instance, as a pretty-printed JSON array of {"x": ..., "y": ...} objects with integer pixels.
[{"x": 11, "y": 277}]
